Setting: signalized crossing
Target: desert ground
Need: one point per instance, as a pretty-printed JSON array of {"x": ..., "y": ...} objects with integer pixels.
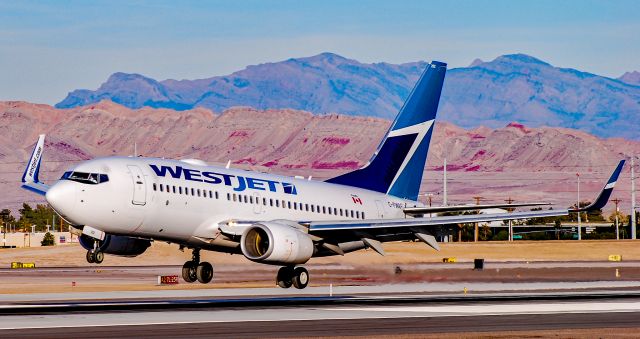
[{"x": 63, "y": 268}]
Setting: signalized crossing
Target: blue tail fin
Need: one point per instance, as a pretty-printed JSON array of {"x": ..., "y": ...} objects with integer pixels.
[
  {"x": 604, "y": 195},
  {"x": 397, "y": 165}
]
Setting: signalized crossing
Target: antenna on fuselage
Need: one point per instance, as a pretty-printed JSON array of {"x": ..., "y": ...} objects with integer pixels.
[
  {"x": 228, "y": 164},
  {"x": 135, "y": 150}
]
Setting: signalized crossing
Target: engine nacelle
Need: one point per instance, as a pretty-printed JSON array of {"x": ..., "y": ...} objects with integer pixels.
[
  {"x": 117, "y": 245},
  {"x": 275, "y": 243}
]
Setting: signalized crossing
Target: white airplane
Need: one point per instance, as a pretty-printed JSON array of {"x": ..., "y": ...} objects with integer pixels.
[{"x": 122, "y": 204}]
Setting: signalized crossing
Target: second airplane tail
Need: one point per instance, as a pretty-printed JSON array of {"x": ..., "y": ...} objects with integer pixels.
[{"x": 397, "y": 165}]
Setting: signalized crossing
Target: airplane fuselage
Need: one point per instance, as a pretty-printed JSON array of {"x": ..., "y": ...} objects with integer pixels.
[{"x": 186, "y": 202}]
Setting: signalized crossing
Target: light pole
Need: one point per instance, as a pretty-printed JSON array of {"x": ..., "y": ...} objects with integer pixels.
[
  {"x": 578, "y": 208},
  {"x": 633, "y": 199},
  {"x": 617, "y": 201},
  {"x": 444, "y": 183}
]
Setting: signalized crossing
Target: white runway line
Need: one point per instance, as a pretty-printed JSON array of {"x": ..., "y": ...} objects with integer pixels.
[
  {"x": 508, "y": 309},
  {"x": 416, "y": 288},
  {"x": 305, "y": 313}
]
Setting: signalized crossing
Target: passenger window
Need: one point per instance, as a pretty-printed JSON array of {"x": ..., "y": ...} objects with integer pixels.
[
  {"x": 341, "y": 212},
  {"x": 234, "y": 197},
  {"x": 277, "y": 203},
  {"x": 329, "y": 210},
  {"x": 174, "y": 189},
  {"x": 264, "y": 201},
  {"x": 229, "y": 196},
  {"x": 324, "y": 210},
  {"x": 289, "y": 204},
  {"x": 251, "y": 199},
  {"x": 306, "y": 207},
  {"x": 271, "y": 202},
  {"x": 216, "y": 195},
  {"x": 154, "y": 186},
  {"x": 161, "y": 190},
  {"x": 313, "y": 208},
  {"x": 362, "y": 215}
]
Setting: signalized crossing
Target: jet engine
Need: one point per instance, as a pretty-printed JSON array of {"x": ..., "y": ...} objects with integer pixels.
[
  {"x": 117, "y": 245},
  {"x": 276, "y": 243}
]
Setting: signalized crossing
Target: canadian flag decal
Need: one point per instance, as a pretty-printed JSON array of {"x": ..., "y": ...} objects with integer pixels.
[{"x": 356, "y": 199}]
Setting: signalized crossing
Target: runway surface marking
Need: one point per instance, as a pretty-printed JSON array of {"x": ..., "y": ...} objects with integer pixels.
[
  {"x": 305, "y": 313},
  {"x": 431, "y": 287},
  {"x": 503, "y": 309}
]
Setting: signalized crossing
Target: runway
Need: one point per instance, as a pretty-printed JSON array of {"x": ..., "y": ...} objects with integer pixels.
[
  {"x": 500, "y": 299},
  {"x": 368, "y": 317}
]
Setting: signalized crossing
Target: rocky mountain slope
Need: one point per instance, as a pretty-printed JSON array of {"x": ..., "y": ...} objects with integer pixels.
[
  {"x": 513, "y": 87},
  {"x": 632, "y": 78},
  {"x": 515, "y": 160}
]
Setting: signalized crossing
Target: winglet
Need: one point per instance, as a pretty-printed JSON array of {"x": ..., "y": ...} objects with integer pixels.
[
  {"x": 604, "y": 195},
  {"x": 30, "y": 178},
  {"x": 33, "y": 168}
]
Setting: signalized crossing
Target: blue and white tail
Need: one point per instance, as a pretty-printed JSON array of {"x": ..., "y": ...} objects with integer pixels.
[{"x": 397, "y": 165}]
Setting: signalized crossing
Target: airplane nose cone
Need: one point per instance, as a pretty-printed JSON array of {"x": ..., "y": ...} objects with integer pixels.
[{"x": 62, "y": 197}]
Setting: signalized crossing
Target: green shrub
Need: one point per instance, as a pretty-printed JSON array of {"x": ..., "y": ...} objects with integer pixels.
[{"x": 48, "y": 240}]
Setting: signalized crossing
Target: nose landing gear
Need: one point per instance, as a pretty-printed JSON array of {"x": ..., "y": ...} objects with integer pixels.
[
  {"x": 195, "y": 270},
  {"x": 290, "y": 275}
]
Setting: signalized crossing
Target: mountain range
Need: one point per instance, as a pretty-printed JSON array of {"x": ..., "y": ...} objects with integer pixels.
[
  {"x": 514, "y": 87},
  {"x": 513, "y": 161}
]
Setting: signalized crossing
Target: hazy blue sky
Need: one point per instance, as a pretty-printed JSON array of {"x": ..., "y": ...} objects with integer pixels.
[{"x": 48, "y": 48}]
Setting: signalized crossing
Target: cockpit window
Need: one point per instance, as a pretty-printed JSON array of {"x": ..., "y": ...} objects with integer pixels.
[{"x": 85, "y": 178}]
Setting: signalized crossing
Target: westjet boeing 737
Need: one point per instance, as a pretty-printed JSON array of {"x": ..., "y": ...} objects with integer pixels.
[{"x": 121, "y": 204}]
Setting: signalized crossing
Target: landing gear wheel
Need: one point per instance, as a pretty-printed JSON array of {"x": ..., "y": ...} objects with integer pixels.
[
  {"x": 283, "y": 279},
  {"x": 204, "y": 272},
  {"x": 90, "y": 258},
  {"x": 189, "y": 271},
  {"x": 98, "y": 257},
  {"x": 300, "y": 278}
]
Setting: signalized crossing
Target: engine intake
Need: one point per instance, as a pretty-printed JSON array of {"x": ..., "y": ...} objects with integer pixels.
[
  {"x": 117, "y": 245},
  {"x": 276, "y": 243}
]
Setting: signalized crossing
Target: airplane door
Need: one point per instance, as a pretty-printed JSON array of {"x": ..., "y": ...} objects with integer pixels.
[
  {"x": 139, "y": 187},
  {"x": 380, "y": 207}
]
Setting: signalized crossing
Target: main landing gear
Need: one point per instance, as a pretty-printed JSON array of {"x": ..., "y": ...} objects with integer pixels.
[
  {"x": 95, "y": 256},
  {"x": 195, "y": 270},
  {"x": 290, "y": 275}
]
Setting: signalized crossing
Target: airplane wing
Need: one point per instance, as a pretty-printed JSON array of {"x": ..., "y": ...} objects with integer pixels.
[
  {"x": 30, "y": 179},
  {"x": 374, "y": 232},
  {"x": 459, "y": 208}
]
